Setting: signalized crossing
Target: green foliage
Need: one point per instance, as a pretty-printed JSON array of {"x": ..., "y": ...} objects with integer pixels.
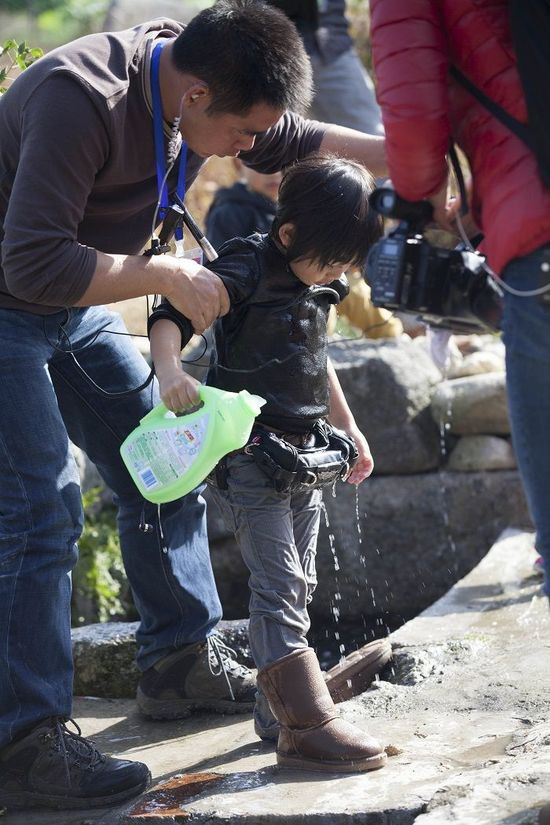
[
  {"x": 33, "y": 7},
  {"x": 13, "y": 54},
  {"x": 50, "y": 23},
  {"x": 100, "y": 590},
  {"x": 73, "y": 17}
]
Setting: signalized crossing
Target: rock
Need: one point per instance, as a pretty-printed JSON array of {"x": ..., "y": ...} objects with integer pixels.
[
  {"x": 441, "y": 347},
  {"x": 389, "y": 385},
  {"x": 419, "y": 535},
  {"x": 104, "y": 656},
  {"x": 473, "y": 405},
  {"x": 477, "y": 363},
  {"x": 481, "y": 452}
]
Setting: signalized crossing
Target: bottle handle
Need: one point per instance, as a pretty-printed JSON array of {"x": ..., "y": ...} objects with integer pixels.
[{"x": 206, "y": 394}]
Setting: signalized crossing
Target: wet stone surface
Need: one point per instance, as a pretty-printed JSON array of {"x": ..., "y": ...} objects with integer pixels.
[{"x": 465, "y": 713}]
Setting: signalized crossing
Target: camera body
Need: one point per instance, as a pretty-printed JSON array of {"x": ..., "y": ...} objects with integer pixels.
[{"x": 447, "y": 288}]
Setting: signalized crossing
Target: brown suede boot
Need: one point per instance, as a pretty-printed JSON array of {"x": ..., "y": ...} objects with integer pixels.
[{"x": 312, "y": 735}]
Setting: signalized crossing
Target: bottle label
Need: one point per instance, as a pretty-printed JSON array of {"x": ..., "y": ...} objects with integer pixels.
[{"x": 160, "y": 457}]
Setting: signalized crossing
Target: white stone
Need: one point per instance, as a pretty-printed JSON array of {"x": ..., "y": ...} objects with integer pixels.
[
  {"x": 476, "y": 363},
  {"x": 482, "y": 452},
  {"x": 472, "y": 405}
]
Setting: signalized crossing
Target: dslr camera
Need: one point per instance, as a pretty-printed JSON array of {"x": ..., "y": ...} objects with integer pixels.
[{"x": 447, "y": 288}]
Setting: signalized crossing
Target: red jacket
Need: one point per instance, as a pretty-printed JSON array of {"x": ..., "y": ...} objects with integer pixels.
[{"x": 414, "y": 42}]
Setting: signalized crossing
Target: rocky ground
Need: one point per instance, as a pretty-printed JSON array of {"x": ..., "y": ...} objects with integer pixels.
[{"x": 463, "y": 708}]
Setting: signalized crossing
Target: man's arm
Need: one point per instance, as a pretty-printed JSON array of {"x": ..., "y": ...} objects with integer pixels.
[
  {"x": 64, "y": 143},
  {"x": 294, "y": 137},
  {"x": 349, "y": 143},
  {"x": 411, "y": 59},
  {"x": 192, "y": 289}
]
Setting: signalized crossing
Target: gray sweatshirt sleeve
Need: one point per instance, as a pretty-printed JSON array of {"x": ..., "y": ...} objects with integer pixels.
[
  {"x": 293, "y": 137},
  {"x": 63, "y": 145}
]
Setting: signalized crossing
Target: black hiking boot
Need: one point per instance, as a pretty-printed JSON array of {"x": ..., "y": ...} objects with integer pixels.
[
  {"x": 52, "y": 767},
  {"x": 201, "y": 676}
]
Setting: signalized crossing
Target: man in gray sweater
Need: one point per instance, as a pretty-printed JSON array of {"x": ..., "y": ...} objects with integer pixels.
[{"x": 89, "y": 133}]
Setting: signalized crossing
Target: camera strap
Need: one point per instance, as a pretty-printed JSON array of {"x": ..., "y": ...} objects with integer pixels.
[
  {"x": 158, "y": 130},
  {"x": 521, "y": 130}
]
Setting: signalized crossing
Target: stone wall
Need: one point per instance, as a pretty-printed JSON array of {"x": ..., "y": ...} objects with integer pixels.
[{"x": 445, "y": 483}]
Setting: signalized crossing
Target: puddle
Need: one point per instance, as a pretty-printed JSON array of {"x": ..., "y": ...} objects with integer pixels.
[{"x": 169, "y": 798}]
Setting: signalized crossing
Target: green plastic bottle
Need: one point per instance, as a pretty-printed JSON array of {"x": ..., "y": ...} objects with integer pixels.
[{"x": 168, "y": 455}]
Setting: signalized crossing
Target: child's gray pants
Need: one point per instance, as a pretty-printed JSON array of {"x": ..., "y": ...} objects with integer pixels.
[{"x": 277, "y": 536}]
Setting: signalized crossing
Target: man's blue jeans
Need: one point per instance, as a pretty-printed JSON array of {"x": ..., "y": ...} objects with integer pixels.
[
  {"x": 527, "y": 340},
  {"x": 45, "y": 400}
]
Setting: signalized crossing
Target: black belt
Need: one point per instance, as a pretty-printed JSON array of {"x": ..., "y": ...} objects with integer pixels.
[{"x": 321, "y": 458}]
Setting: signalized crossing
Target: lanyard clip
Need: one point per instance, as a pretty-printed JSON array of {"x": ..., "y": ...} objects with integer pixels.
[{"x": 172, "y": 221}]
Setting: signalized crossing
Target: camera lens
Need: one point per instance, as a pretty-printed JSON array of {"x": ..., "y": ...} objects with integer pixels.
[{"x": 387, "y": 201}]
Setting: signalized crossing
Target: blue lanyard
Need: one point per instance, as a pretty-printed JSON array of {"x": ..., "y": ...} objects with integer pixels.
[{"x": 158, "y": 126}]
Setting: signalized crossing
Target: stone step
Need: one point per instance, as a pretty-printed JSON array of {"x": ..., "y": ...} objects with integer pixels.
[{"x": 104, "y": 656}]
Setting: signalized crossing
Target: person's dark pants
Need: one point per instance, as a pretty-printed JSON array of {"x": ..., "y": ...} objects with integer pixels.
[
  {"x": 45, "y": 400},
  {"x": 527, "y": 341}
]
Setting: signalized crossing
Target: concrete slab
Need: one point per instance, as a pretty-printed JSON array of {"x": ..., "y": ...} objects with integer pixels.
[{"x": 464, "y": 710}]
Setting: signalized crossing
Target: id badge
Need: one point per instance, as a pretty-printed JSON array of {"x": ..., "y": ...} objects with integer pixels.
[{"x": 194, "y": 254}]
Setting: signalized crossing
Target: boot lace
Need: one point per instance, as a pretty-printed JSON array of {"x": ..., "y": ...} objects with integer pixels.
[
  {"x": 222, "y": 660},
  {"x": 74, "y": 748}
]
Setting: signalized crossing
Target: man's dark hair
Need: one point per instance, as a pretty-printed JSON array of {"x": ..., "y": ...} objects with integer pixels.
[
  {"x": 247, "y": 53},
  {"x": 326, "y": 199}
]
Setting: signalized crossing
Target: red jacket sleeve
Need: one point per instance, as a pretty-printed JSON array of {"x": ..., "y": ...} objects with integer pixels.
[{"x": 411, "y": 64}]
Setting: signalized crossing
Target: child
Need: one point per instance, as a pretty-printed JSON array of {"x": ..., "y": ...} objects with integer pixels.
[
  {"x": 273, "y": 342},
  {"x": 246, "y": 207}
]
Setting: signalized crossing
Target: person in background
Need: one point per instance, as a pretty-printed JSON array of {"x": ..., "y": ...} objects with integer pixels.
[
  {"x": 343, "y": 94},
  {"x": 343, "y": 89},
  {"x": 246, "y": 207},
  {"x": 417, "y": 49}
]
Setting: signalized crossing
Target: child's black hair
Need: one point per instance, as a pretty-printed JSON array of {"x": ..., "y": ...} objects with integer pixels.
[{"x": 326, "y": 199}]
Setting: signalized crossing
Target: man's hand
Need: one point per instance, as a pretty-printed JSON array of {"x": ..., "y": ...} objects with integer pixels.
[
  {"x": 447, "y": 211},
  {"x": 441, "y": 206},
  {"x": 198, "y": 293}
]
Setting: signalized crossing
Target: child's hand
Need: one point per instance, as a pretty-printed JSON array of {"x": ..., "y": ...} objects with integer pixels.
[
  {"x": 178, "y": 390},
  {"x": 365, "y": 463}
]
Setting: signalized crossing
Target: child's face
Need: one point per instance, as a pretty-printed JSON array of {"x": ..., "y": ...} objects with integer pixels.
[
  {"x": 308, "y": 270},
  {"x": 266, "y": 185}
]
